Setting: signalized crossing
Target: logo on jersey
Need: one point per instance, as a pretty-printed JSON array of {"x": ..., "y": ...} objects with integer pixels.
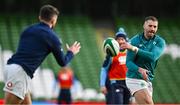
[
  {"x": 140, "y": 45},
  {"x": 122, "y": 60},
  {"x": 64, "y": 77},
  {"x": 154, "y": 43}
]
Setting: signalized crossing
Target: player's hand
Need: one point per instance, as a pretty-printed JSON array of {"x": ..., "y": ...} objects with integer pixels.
[
  {"x": 144, "y": 73},
  {"x": 129, "y": 47},
  {"x": 125, "y": 46},
  {"x": 104, "y": 90},
  {"x": 75, "y": 48}
]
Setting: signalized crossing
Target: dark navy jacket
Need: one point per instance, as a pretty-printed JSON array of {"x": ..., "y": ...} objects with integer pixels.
[{"x": 36, "y": 42}]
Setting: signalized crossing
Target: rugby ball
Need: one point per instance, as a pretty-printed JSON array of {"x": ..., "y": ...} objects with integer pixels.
[{"x": 111, "y": 46}]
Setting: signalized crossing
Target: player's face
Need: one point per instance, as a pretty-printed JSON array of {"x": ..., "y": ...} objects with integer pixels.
[
  {"x": 120, "y": 40},
  {"x": 150, "y": 28}
]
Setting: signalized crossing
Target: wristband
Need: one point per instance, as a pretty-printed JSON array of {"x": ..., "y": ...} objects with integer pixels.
[{"x": 135, "y": 49}]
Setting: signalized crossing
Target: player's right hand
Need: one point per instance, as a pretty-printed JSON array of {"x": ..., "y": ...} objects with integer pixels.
[
  {"x": 75, "y": 48},
  {"x": 103, "y": 90},
  {"x": 144, "y": 73},
  {"x": 129, "y": 47},
  {"x": 125, "y": 45}
]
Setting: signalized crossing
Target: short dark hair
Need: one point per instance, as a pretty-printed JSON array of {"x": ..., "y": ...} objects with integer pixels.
[
  {"x": 153, "y": 18},
  {"x": 47, "y": 12}
]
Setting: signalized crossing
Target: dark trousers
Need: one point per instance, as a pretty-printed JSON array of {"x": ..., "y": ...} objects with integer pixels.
[
  {"x": 64, "y": 97},
  {"x": 118, "y": 93}
]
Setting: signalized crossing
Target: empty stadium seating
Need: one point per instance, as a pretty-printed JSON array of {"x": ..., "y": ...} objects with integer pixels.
[{"x": 87, "y": 63}]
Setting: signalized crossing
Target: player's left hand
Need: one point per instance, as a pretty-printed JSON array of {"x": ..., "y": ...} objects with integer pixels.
[
  {"x": 75, "y": 48},
  {"x": 103, "y": 90},
  {"x": 144, "y": 73}
]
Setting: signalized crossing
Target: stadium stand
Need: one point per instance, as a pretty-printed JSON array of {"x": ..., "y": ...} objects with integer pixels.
[{"x": 87, "y": 63}]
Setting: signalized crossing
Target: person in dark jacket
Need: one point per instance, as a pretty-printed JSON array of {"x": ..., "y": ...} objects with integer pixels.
[
  {"x": 36, "y": 42},
  {"x": 113, "y": 75}
]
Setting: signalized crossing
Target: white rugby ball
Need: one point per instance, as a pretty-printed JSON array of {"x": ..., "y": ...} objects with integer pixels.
[{"x": 111, "y": 46}]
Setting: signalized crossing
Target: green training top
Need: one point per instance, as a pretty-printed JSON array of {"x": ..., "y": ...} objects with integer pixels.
[{"x": 146, "y": 57}]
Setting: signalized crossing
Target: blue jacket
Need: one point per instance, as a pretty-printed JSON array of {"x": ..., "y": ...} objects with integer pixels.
[{"x": 36, "y": 42}]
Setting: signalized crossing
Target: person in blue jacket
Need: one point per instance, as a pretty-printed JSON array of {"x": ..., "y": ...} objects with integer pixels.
[
  {"x": 36, "y": 42},
  {"x": 142, "y": 57},
  {"x": 113, "y": 74}
]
